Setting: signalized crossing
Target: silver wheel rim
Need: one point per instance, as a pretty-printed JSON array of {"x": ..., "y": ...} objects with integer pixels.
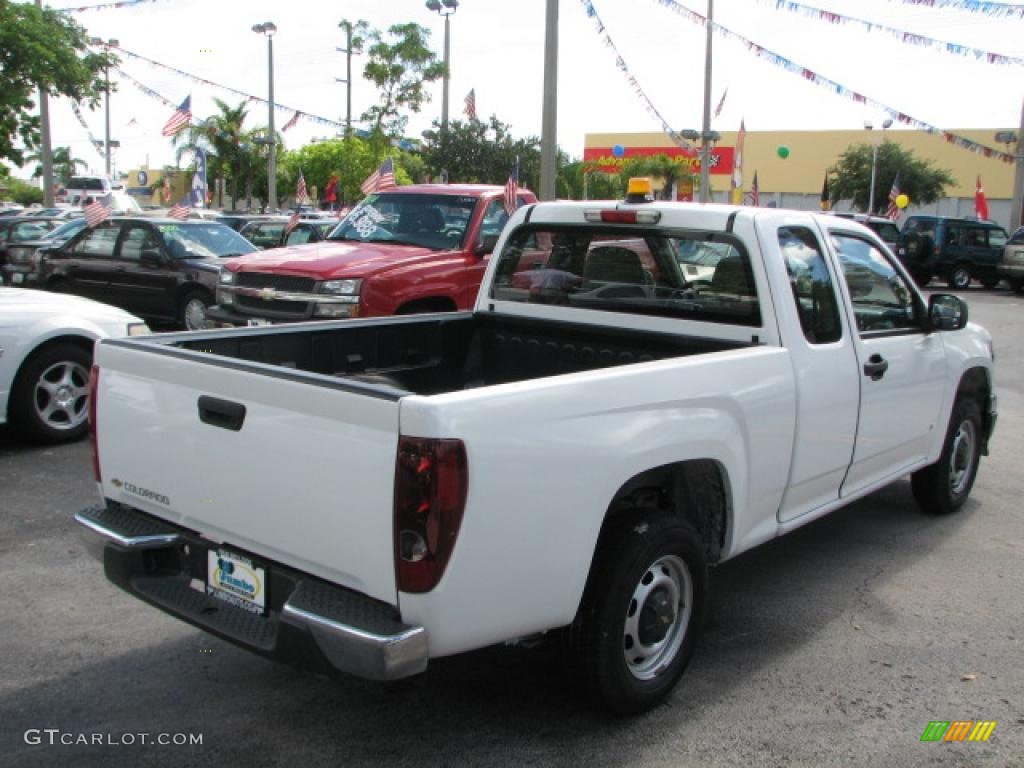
[
  {"x": 657, "y": 617},
  {"x": 61, "y": 396},
  {"x": 961, "y": 278},
  {"x": 961, "y": 458},
  {"x": 195, "y": 315}
]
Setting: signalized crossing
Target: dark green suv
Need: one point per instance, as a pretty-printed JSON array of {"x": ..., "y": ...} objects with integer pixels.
[{"x": 956, "y": 250}]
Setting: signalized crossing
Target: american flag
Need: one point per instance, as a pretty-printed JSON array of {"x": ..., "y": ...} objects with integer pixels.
[
  {"x": 471, "y": 104},
  {"x": 301, "y": 193},
  {"x": 291, "y": 123},
  {"x": 180, "y": 119},
  {"x": 511, "y": 199},
  {"x": 893, "y": 211},
  {"x": 97, "y": 211},
  {"x": 755, "y": 192},
  {"x": 180, "y": 209},
  {"x": 293, "y": 221},
  {"x": 382, "y": 178}
]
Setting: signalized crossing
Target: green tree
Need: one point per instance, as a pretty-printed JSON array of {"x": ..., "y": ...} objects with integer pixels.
[
  {"x": 478, "y": 152},
  {"x": 850, "y": 177},
  {"x": 221, "y": 136},
  {"x": 399, "y": 65},
  {"x": 41, "y": 48},
  {"x": 656, "y": 166},
  {"x": 64, "y": 165},
  {"x": 22, "y": 192}
]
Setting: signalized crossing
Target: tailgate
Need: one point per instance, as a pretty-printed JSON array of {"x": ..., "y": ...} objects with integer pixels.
[{"x": 307, "y": 480}]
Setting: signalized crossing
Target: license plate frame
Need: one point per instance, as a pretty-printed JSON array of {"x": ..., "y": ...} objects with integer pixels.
[
  {"x": 237, "y": 580},
  {"x": 256, "y": 322}
]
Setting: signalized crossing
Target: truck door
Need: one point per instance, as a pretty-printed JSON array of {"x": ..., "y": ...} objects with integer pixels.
[
  {"x": 824, "y": 363},
  {"x": 902, "y": 369}
]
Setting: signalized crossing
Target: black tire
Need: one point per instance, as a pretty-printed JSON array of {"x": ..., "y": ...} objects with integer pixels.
[
  {"x": 192, "y": 310},
  {"x": 990, "y": 282},
  {"x": 943, "y": 487},
  {"x": 921, "y": 276},
  {"x": 658, "y": 557},
  {"x": 58, "y": 286},
  {"x": 50, "y": 397},
  {"x": 959, "y": 278}
]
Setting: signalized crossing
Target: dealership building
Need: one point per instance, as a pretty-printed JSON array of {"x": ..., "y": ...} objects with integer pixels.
[{"x": 791, "y": 165}]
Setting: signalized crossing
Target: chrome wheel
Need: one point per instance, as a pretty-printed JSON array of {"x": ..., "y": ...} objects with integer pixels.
[
  {"x": 194, "y": 314},
  {"x": 960, "y": 278},
  {"x": 961, "y": 457},
  {"x": 61, "y": 396},
  {"x": 658, "y": 615}
]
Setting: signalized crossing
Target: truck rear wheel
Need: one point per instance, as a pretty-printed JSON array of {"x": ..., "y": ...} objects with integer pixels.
[
  {"x": 944, "y": 486},
  {"x": 959, "y": 277},
  {"x": 642, "y": 610}
]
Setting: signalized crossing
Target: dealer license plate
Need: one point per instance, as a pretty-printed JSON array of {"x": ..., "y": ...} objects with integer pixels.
[
  {"x": 236, "y": 580},
  {"x": 258, "y": 321}
]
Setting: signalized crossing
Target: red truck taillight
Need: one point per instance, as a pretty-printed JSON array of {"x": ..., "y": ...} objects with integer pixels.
[
  {"x": 94, "y": 383},
  {"x": 431, "y": 478}
]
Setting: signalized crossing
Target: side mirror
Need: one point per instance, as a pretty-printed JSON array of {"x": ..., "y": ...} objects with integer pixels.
[
  {"x": 486, "y": 245},
  {"x": 151, "y": 258},
  {"x": 946, "y": 312}
]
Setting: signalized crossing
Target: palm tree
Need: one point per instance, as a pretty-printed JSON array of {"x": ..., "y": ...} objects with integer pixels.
[
  {"x": 64, "y": 165},
  {"x": 221, "y": 137}
]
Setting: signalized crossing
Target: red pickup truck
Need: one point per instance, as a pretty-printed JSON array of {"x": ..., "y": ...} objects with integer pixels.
[{"x": 419, "y": 248}]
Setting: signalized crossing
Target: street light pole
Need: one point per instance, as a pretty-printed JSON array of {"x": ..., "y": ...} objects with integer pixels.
[
  {"x": 705, "y": 145},
  {"x": 445, "y": 8},
  {"x": 268, "y": 28},
  {"x": 46, "y": 149},
  {"x": 874, "y": 162},
  {"x": 549, "y": 113}
]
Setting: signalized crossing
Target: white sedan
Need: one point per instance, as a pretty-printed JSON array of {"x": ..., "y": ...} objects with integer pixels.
[{"x": 46, "y": 342}]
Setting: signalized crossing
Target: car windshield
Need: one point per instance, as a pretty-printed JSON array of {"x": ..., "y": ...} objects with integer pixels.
[
  {"x": 437, "y": 222},
  {"x": 206, "y": 240},
  {"x": 64, "y": 231}
]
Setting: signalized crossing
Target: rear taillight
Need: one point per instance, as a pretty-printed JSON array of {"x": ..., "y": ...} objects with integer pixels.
[
  {"x": 431, "y": 478},
  {"x": 94, "y": 382}
]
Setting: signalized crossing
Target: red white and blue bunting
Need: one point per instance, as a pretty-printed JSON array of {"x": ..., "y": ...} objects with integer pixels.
[
  {"x": 973, "y": 6},
  {"x": 910, "y": 38},
  {"x": 620, "y": 63},
  {"x": 96, "y": 143},
  {"x": 104, "y": 6},
  {"x": 146, "y": 90},
  {"x": 837, "y": 88}
]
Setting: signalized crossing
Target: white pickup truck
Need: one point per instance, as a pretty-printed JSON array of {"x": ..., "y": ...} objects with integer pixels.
[{"x": 642, "y": 390}]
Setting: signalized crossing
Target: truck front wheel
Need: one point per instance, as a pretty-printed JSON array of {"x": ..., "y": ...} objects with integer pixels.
[
  {"x": 641, "y": 611},
  {"x": 944, "y": 486}
]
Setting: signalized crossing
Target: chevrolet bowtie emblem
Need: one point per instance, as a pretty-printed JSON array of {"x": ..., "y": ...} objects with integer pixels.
[{"x": 267, "y": 294}]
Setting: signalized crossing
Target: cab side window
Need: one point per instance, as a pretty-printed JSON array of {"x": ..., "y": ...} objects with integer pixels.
[
  {"x": 811, "y": 284},
  {"x": 881, "y": 298},
  {"x": 98, "y": 242},
  {"x": 138, "y": 240}
]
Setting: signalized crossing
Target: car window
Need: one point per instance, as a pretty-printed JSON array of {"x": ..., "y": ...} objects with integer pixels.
[
  {"x": 264, "y": 235},
  {"x": 996, "y": 238},
  {"x": 1018, "y": 236},
  {"x": 881, "y": 299},
  {"x": 29, "y": 230},
  {"x": 299, "y": 235},
  {"x": 98, "y": 242},
  {"x": 811, "y": 285},
  {"x": 202, "y": 240},
  {"x": 641, "y": 273},
  {"x": 889, "y": 233},
  {"x": 138, "y": 240}
]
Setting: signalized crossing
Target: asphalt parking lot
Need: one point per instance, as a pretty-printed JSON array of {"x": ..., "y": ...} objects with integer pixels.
[{"x": 835, "y": 645}]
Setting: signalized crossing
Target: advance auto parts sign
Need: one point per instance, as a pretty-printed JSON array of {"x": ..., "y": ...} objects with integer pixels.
[{"x": 235, "y": 580}]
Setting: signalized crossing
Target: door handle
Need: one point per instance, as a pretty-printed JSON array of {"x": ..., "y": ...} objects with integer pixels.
[
  {"x": 875, "y": 367},
  {"x": 221, "y": 413}
]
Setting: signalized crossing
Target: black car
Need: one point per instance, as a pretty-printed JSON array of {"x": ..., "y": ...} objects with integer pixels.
[
  {"x": 881, "y": 226},
  {"x": 957, "y": 250},
  {"x": 238, "y": 220},
  {"x": 163, "y": 269},
  {"x": 24, "y": 259},
  {"x": 17, "y": 229},
  {"x": 271, "y": 233}
]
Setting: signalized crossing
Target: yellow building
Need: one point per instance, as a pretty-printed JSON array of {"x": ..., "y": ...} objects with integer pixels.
[{"x": 796, "y": 180}]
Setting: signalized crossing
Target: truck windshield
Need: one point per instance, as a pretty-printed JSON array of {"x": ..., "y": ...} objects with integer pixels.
[
  {"x": 437, "y": 222},
  {"x": 697, "y": 275},
  {"x": 203, "y": 241}
]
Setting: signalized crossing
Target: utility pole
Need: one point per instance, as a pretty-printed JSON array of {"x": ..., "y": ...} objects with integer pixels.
[
  {"x": 1017, "y": 205},
  {"x": 347, "y": 50},
  {"x": 47, "y": 149},
  {"x": 549, "y": 115}
]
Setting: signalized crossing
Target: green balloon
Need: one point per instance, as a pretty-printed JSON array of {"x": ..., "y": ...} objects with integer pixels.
[{"x": 783, "y": 151}]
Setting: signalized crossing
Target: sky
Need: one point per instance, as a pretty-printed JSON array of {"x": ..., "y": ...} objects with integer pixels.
[{"x": 497, "y": 49}]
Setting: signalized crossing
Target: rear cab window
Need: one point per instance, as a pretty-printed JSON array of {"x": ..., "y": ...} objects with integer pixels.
[{"x": 695, "y": 275}]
